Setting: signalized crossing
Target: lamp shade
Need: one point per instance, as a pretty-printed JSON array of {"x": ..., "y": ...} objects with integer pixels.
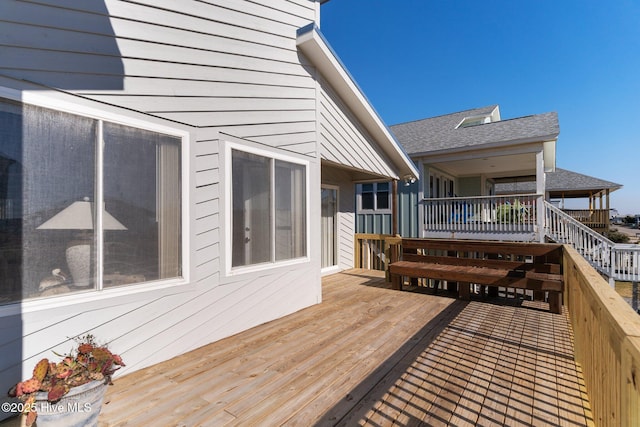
[{"x": 79, "y": 216}]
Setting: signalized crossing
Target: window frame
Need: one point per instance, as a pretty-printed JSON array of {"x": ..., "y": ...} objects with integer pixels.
[
  {"x": 375, "y": 198},
  {"x": 86, "y": 109},
  {"x": 272, "y": 153}
]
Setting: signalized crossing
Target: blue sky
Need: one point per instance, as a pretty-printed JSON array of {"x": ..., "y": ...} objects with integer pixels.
[{"x": 422, "y": 58}]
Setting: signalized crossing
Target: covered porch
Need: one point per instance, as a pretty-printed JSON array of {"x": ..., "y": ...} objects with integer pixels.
[
  {"x": 585, "y": 198},
  {"x": 368, "y": 355}
]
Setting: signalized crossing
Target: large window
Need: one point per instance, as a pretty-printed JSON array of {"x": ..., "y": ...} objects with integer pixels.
[
  {"x": 55, "y": 169},
  {"x": 269, "y": 209}
]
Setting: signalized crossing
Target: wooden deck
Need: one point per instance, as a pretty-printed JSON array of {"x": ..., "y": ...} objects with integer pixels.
[{"x": 370, "y": 356}]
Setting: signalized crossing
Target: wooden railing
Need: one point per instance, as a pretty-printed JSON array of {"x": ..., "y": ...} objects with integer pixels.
[
  {"x": 606, "y": 332},
  {"x": 482, "y": 213},
  {"x": 372, "y": 251},
  {"x": 595, "y": 218},
  {"x": 607, "y": 343}
]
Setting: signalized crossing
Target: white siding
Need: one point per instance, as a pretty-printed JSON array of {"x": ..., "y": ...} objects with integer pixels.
[
  {"x": 344, "y": 141},
  {"x": 228, "y": 65},
  {"x": 217, "y": 67}
]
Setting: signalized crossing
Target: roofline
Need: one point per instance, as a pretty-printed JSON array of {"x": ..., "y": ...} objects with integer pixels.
[
  {"x": 492, "y": 106},
  {"x": 313, "y": 44}
]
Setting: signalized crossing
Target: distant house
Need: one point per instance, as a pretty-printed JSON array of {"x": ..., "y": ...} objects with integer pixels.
[
  {"x": 461, "y": 156},
  {"x": 189, "y": 165},
  {"x": 561, "y": 185}
]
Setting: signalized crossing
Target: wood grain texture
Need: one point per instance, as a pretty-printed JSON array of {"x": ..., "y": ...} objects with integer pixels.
[{"x": 369, "y": 355}]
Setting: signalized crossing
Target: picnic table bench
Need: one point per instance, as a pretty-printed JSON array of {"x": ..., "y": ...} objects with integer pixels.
[{"x": 530, "y": 266}]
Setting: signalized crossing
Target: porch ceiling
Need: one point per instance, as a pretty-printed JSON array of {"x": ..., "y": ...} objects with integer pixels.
[{"x": 491, "y": 166}]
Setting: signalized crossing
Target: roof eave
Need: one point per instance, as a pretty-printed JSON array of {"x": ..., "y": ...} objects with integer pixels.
[{"x": 311, "y": 42}]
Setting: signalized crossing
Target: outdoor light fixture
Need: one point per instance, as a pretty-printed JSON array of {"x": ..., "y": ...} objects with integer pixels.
[
  {"x": 409, "y": 180},
  {"x": 79, "y": 216}
]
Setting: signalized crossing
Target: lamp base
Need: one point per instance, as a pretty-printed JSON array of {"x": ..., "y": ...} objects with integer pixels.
[{"x": 79, "y": 262}]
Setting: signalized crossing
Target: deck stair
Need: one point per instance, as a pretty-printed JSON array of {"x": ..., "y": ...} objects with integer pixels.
[{"x": 615, "y": 261}]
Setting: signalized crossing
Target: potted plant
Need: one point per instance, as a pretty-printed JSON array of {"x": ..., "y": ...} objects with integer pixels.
[
  {"x": 509, "y": 213},
  {"x": 69, "y": 392}
]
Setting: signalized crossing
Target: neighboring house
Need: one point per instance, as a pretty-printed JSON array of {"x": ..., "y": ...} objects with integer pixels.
[
  {"x": 563, "y": 184},
  {"x": 461, "y": 156},
  {"x": 223, "y": 141}
]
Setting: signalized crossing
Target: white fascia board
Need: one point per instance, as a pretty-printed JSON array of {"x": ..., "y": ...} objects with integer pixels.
[{"x": 311, "y": 42}]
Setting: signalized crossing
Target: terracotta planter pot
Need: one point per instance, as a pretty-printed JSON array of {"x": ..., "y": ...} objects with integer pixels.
[{"x": 78, "y": 408}]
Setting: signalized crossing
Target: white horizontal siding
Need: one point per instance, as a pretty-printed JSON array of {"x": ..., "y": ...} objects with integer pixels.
[
  {"x": 218, "y": 66},
  {"x": 344, "y": 141},
  {"x": 156, "y": 86},
  {"x": 105, "y": 65},
  {"x": 65, "y": 42},
  {"x": 129, "y": 53}
]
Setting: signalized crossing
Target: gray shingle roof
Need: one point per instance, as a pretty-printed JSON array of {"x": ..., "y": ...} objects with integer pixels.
[
  {"x": 440, "y": 133},
  {"x": 559, "y": 181}
]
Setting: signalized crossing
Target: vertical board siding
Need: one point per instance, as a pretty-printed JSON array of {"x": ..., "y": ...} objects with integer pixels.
[
  {"x": 344, "y": 141},
  {"x": 346, "y": 224},
  {"x": 408, "y": 215},
  {"x": 217, "y": 66}
]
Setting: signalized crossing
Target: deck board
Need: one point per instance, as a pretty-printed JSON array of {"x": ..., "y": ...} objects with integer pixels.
[{"x": 369, "y": 355}]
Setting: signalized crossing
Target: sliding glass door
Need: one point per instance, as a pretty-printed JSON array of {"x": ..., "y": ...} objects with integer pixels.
[{"x": 329, "y": 228}]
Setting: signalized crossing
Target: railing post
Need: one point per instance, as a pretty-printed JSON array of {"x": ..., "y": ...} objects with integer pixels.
[
  {"x": 612, "y": 266},
  {"x": 540, "y": 217}
]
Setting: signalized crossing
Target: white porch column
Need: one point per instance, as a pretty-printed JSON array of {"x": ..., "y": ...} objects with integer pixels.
[{"x": 540, "y": 191}]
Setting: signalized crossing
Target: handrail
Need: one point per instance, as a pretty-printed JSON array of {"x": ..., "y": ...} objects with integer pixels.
[
  {"x": 606, "y": 335},
  {"x": 617, "y": 261},
  {"x": 593, "y": 246}
]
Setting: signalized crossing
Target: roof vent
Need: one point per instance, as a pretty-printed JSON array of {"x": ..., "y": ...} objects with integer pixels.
[{"x": 474, "y": 121}]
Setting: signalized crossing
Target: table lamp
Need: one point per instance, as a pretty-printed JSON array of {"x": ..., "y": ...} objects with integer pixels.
[{"x": 79, "y": 216}]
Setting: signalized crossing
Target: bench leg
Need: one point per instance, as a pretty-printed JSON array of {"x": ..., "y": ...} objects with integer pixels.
[
  {"x": 555, "y": 302},
  {"x": 396, "y": 282},
  {"x": 463, "y": 291},
  {"x": 538, "y": 295}
]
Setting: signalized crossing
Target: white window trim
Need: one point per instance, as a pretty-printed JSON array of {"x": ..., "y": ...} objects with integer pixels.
[
  {"x": 274, "y": 154},
  {"x": 81, "y": 297},
  {"x": 375, "y": 199}
]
